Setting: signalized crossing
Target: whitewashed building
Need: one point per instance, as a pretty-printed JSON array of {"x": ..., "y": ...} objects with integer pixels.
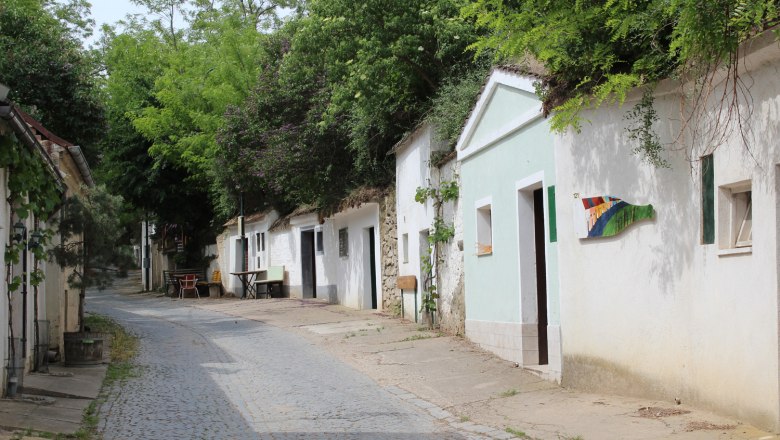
[
  {"x": 414, "y": 169},
  {"x": 24, "y": 309},
  {"x": 507, "y": 169},
  {"x": 683, "y": 305},
  {"x": 334, "y": 259},
  {"x": 257, "y": 254}
]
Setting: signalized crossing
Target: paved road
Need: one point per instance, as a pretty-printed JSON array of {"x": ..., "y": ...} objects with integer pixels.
[{"x": 205, "y": 375}]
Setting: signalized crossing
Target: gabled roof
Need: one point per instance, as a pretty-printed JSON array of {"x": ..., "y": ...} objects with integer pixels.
[
  {"x": 408, "y": 138},
  {"x": 15, "y": 116},
  {"x": 251, "y": 218},
  {"x": 511, "y": 76},
  {"x": 283, "y": 222},
  {"x": 73, "y": 150}
]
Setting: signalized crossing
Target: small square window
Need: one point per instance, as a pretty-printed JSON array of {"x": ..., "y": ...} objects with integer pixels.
[
  {"x": 743, "y": 212},
  {"x": 735, "y": 219},
  {"x": 319, "y": 246},
  {"x": 343, "y": 243},
  {"x": 484, "y": 230},
  {"x": 405, "y": 247}
]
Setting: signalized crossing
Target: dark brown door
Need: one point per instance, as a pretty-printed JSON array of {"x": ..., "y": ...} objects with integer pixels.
[
  {"x": 308, "y": 273},
  {"x": 372, "y": 267},
  {"x": 541, "y": 274}
]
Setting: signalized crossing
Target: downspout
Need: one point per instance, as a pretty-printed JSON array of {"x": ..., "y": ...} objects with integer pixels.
[{"x": 147, "y": 254}]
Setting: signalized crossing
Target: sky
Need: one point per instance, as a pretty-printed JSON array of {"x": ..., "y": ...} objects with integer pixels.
[{"x": 111, "y": 11}]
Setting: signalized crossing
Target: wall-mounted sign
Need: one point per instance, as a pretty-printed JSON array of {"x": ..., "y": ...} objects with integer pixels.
[{"x": 605, "y": 216}]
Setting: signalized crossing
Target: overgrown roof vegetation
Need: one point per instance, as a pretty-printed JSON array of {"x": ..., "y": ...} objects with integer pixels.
[
  {"x": 301, "y": 108},
  {"x": 596, "y": 51}
]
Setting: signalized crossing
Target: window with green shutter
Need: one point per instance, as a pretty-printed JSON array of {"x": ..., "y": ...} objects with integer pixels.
[
  {"x": 551, "y": 217},
  {"x": 708, "y": 199}
]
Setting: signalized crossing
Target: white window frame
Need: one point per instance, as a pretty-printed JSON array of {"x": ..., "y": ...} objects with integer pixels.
[
  {"x": 405, "y": 247},
  {"x": 343, "y": 242},
  {"x": 735, "y": 217},
  {"x": 319, "y": 241},
  {"x": 483, "y": 211}
]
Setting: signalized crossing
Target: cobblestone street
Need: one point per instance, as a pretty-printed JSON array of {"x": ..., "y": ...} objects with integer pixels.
[{"x": 205, "y": 375}]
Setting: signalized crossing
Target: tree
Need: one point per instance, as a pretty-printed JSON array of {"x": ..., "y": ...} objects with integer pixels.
[
  {"x": 156, "y": 186},
  {"x": 381, "y": 63},
  {"x": 49, "y": 73},
  {"x": 90, "y": 230},
  {"x": 342, "y": 86},
  {"x": 595, "y": 52},
  {"x": 275, "y": 148}
]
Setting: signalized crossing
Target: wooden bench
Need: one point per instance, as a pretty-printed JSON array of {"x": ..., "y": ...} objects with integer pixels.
[
  {"x": 273, "y": 276},
  {"x": 172, "y": 278}
]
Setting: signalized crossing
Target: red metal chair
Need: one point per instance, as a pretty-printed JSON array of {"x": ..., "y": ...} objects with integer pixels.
[{"x": 188, "y": 282}]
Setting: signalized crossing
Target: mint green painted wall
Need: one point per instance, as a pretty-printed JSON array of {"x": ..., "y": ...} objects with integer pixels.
[
  {"x": 492, "y": 281},
  {"x": 507, "y": 103}
]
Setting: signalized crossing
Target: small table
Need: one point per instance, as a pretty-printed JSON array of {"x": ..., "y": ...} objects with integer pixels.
[{"x": 248, "y": 281}]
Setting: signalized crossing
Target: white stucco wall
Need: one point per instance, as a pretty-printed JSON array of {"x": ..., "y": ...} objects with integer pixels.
[
  {"x": 350, "y": 275},
  {"x": 653, "y": 311},
  {"x": 412, "y": 171},
  {"x": 229, "y": 248}
]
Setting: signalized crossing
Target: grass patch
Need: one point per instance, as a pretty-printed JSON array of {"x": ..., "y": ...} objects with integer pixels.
[
  {"x": 516, "y": 432},
  {"x": 416, "y": 338},
  {"x": 510, "y": 392},
  {"x": 124, "y": 347},
  {"x": 464, "y": 419}
]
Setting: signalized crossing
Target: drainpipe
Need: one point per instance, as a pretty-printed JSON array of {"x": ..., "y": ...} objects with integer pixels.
[
  {"x": 24, "y": 296},
  {"x": 146, "y": 254},
  {"x": 243, "y": 238}
]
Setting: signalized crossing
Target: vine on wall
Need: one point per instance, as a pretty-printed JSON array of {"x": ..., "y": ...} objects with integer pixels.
[
  {"x": 31, "y": 192},
  {"x": 440, "y": 232}
]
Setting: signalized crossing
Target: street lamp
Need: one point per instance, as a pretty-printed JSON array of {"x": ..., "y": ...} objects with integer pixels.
[
  {"x": 20, "y": 236},
  {"x": 242, "y": 234},
  {"x": 20, "y": 232},
  {"x": 35, "y": 239}
]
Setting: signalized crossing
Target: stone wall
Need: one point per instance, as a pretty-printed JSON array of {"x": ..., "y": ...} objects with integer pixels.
[
  {"x": 389, "y": 246},
  {"x": 452, "y": 304}
]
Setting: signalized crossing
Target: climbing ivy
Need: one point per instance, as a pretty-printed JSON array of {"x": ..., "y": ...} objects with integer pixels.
[
  {"x": 31, "y": 191},
  {"x": 642, "y": 117},
  {"x": 440, "y": 232}
]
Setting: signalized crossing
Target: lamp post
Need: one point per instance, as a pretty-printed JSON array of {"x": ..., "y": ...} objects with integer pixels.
[
  {"x": 242, "y": 235},
  {"x": 20, "y": 236}
]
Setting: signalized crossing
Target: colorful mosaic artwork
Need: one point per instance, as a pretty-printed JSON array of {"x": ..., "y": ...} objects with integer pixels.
[{"x": 606, "y": 216}]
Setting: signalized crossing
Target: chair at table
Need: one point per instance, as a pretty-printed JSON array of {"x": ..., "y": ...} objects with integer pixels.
[{"x": 188, "y": 282}]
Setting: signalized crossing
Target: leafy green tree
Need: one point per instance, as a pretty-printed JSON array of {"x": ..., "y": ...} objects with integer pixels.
[
  {"x": 48, "y": 71},
  {"x": 157, "y": 188},
  {"x": 276, "y": 151},
  {"x": 381, "y": 63},
  {"x": 595, "y": 52}
]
